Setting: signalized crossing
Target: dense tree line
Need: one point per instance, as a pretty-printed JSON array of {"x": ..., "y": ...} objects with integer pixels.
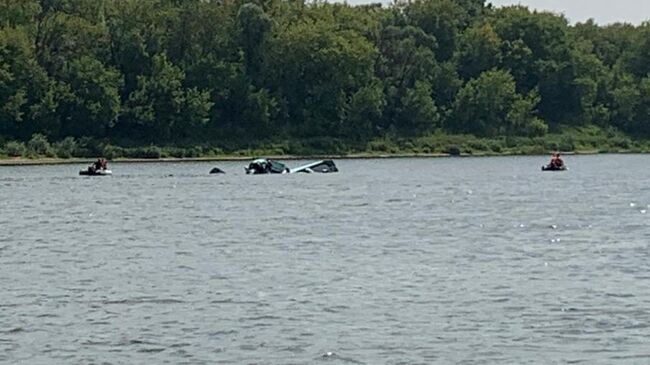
[{"x": 196, "y": 71}]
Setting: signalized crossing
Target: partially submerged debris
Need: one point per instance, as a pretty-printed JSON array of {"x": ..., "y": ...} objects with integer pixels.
[
  {"x": 268, "y": 166},
  {"x": 323, "y": 166}
]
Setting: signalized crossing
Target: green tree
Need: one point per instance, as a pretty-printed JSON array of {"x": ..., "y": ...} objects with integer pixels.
[
  {"x": 258, "y": 116},
  {"x": 27, "y": 101},
  {"x": 317, "y": 69},
  {"x": 489, "y": 106},
  {"x": 14, "y": 13},
  {"x": 407, "y": 57},
  {"x": 364, "y": 111},
  {"x": 610, "y": 42},
  {"x": 160, "y": 106},
  {"x": 418, "y": 112},
  {"x": 443, "y": 19},
  {"x": 63, "y": 37},
  {"x": 254, "y": 28},
  {"x": 635, "y": 58},
  {"x": 92, "y": 103},
  {"x": 631, "y": 105},
  {"x": 479, "y": 50}
]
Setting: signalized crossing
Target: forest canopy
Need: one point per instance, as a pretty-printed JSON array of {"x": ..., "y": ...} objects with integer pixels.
[{"x": 191, "y": 72}]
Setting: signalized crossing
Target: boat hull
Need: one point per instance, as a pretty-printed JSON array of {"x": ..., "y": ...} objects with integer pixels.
[
  {"x": 96, "y": 173},
  {"x": 551, "y": 168}
]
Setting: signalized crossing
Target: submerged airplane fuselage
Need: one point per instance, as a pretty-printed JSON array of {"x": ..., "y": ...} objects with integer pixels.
[{"x": 267, "y": 166}]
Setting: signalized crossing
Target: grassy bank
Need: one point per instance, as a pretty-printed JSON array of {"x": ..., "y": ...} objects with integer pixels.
[{"x": 577, "y": 140}]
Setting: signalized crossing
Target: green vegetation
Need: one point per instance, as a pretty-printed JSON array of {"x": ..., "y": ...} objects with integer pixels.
[{"x": 170, "y": 78}]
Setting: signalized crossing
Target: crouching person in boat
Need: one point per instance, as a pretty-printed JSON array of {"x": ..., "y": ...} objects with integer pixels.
[
  {"x": 97, "y": 168},
  {"x": 556, "y": 161},
  {"x": 100, "y": 164}
]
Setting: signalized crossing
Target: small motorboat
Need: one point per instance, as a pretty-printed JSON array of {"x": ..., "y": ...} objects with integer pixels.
[{"x": 93, "y": 172}]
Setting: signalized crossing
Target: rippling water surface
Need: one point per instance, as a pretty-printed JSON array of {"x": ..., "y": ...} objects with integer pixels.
[{"x": 415, "y": 261}]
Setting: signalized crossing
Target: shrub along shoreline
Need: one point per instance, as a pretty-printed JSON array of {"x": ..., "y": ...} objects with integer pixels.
[{"x": 590, "y": 139}]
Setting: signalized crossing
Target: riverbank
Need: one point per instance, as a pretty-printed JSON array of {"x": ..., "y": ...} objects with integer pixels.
[
  {"x": 19, "y": 161},
  {"x": 80, "y": 161},
  {"x": 583, "y": 140}
]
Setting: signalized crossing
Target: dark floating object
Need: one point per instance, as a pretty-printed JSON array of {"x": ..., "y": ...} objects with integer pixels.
[
  {"x": 217, "y": 170},
  {"x": 554, "y": 168},
  {"x": 323, "y": 167},
  {"x": 266, "y": 166}
]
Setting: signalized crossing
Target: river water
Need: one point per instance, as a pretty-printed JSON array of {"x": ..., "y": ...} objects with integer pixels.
[{"x": 404, "y": 261}]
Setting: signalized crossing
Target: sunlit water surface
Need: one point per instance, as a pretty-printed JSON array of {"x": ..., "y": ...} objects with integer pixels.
[{"x": 405, "y": 261}]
